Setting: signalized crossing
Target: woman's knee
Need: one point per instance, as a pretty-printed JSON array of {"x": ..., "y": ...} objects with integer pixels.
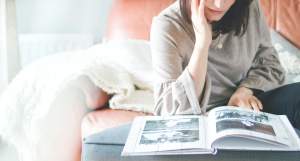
[
  {"x": 96, "y": 97},
  {"x": 292, "y": 88},
  {"x": 288, "y": 93},
  {"x": 292, "y": 94}
]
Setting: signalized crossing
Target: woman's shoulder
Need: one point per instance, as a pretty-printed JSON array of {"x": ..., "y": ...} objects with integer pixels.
[
  {"x": 171, "y": 21},
  {"x": 172, "y": 11},
  {"x": 172, "y": 16},
  {"x": 257, "y": 18},
  {"x": 255, "y": 9},
  {"x": 169, "y": 31}
]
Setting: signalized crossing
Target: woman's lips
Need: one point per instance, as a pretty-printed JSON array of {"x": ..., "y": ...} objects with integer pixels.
[{"x": 215, "y": 11}]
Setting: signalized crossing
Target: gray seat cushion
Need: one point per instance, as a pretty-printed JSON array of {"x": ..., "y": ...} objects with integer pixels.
[{"x": 108, "y": 145}]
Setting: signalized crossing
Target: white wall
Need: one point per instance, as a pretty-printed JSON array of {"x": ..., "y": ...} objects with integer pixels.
[
  {"x": 63, "y": 16},
  {"x": 3, "y": 78},
  {"x": 9, "y": 56},
  {"x": 52, "y": 26}
]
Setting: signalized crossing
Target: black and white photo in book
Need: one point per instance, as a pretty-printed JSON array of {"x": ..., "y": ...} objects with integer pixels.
[
  {"x": 153, "y": 135},
  {"x": 170, "y": 131},
  {"x": 260, "y": 130},
  {"x": 243, "y": 120}
]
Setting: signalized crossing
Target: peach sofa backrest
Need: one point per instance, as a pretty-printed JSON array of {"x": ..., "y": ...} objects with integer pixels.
[
  {"x": 132, "y": 18},
  {"x": 284, "y": 17}
]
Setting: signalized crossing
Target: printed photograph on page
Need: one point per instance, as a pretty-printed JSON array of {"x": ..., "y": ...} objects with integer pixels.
[
  {"x": 244, "y": 120},
  {"x": 250, "y": 123},
  {"x": 170, "y": 134}
]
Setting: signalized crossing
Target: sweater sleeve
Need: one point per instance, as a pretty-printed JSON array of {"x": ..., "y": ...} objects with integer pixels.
[
  {"x": 174, "y": 89},
  {"x": 266, "y": 72}
]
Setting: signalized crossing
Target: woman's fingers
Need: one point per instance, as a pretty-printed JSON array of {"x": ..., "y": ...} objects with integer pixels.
[
  {"x": 195, "y": 4},
  {"x": 198, "y": 7},
  {"x": 243, "y": 104},
  {"x": 254, "y": 104},
  {"x": 247, "y": 105},
  {"x": 259, "y": 104},
  {"x": 201, "y": 7},
  {"x": 202, "y": 28},
  {"x": 246, "y": 101}
]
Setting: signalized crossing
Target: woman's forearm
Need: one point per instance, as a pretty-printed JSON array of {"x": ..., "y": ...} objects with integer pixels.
[
  {"x": 203, "y": 34},
  {"x": 197, "y": 66}
]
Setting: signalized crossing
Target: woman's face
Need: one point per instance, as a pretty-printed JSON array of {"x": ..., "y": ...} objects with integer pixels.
[{"x": 216, "y": 9}]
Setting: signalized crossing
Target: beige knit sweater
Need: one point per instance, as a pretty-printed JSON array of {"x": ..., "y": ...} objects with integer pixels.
[{"x": 233, "y": 61}]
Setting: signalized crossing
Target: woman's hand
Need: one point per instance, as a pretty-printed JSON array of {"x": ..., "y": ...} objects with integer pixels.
[
  {"x": 197, "y": 66},
  {"x": 243, "y": 97},
  {"x": 203, "y": 30}
]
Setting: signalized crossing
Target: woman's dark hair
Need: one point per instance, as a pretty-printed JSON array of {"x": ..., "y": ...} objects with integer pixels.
[{"x": 235, "y": 20}]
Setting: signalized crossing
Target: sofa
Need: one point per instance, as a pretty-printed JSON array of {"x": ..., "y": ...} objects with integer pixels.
[
  {"x": 118, "y": 27},
  {"x": 282, "y": 17}
]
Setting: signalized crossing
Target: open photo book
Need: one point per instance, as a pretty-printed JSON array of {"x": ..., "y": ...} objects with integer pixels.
[{"x": 225, "y": 127}]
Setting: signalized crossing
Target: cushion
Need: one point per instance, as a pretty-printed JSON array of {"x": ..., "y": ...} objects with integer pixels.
[
  {"x": 104, "y": 119},
  {"x": 289, "y": 56}
]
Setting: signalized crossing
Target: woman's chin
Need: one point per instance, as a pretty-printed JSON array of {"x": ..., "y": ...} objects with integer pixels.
[{"x": 214, "y": 19}]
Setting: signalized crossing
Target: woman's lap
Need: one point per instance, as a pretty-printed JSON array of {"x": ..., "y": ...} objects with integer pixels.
[{"x": 284, "y": 100}]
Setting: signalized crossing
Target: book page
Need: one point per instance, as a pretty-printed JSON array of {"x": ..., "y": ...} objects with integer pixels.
[
  {"x": 157, "y": 134},
  {"x": 261, "y": 128}
]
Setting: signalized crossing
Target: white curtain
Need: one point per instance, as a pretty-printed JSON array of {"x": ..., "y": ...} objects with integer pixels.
[{"x": 9, "y": 57}]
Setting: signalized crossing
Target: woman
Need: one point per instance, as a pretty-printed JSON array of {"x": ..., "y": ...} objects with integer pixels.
[{"x": 208, "y": 53}]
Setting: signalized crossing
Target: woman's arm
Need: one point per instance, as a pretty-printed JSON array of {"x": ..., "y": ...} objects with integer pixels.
[
  {"x": 266, "y": 72},
  {"x": 178, "y": 90},
  {"x": 198, "y": 63}
]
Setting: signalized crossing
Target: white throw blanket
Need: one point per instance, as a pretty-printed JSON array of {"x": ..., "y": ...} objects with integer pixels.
[{"x": 122, "y": 68}]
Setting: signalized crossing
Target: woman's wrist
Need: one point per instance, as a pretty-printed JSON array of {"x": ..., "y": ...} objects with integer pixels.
[
  {"x": 202, "y": 45},
  {"x": 244, "y": 90}
]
